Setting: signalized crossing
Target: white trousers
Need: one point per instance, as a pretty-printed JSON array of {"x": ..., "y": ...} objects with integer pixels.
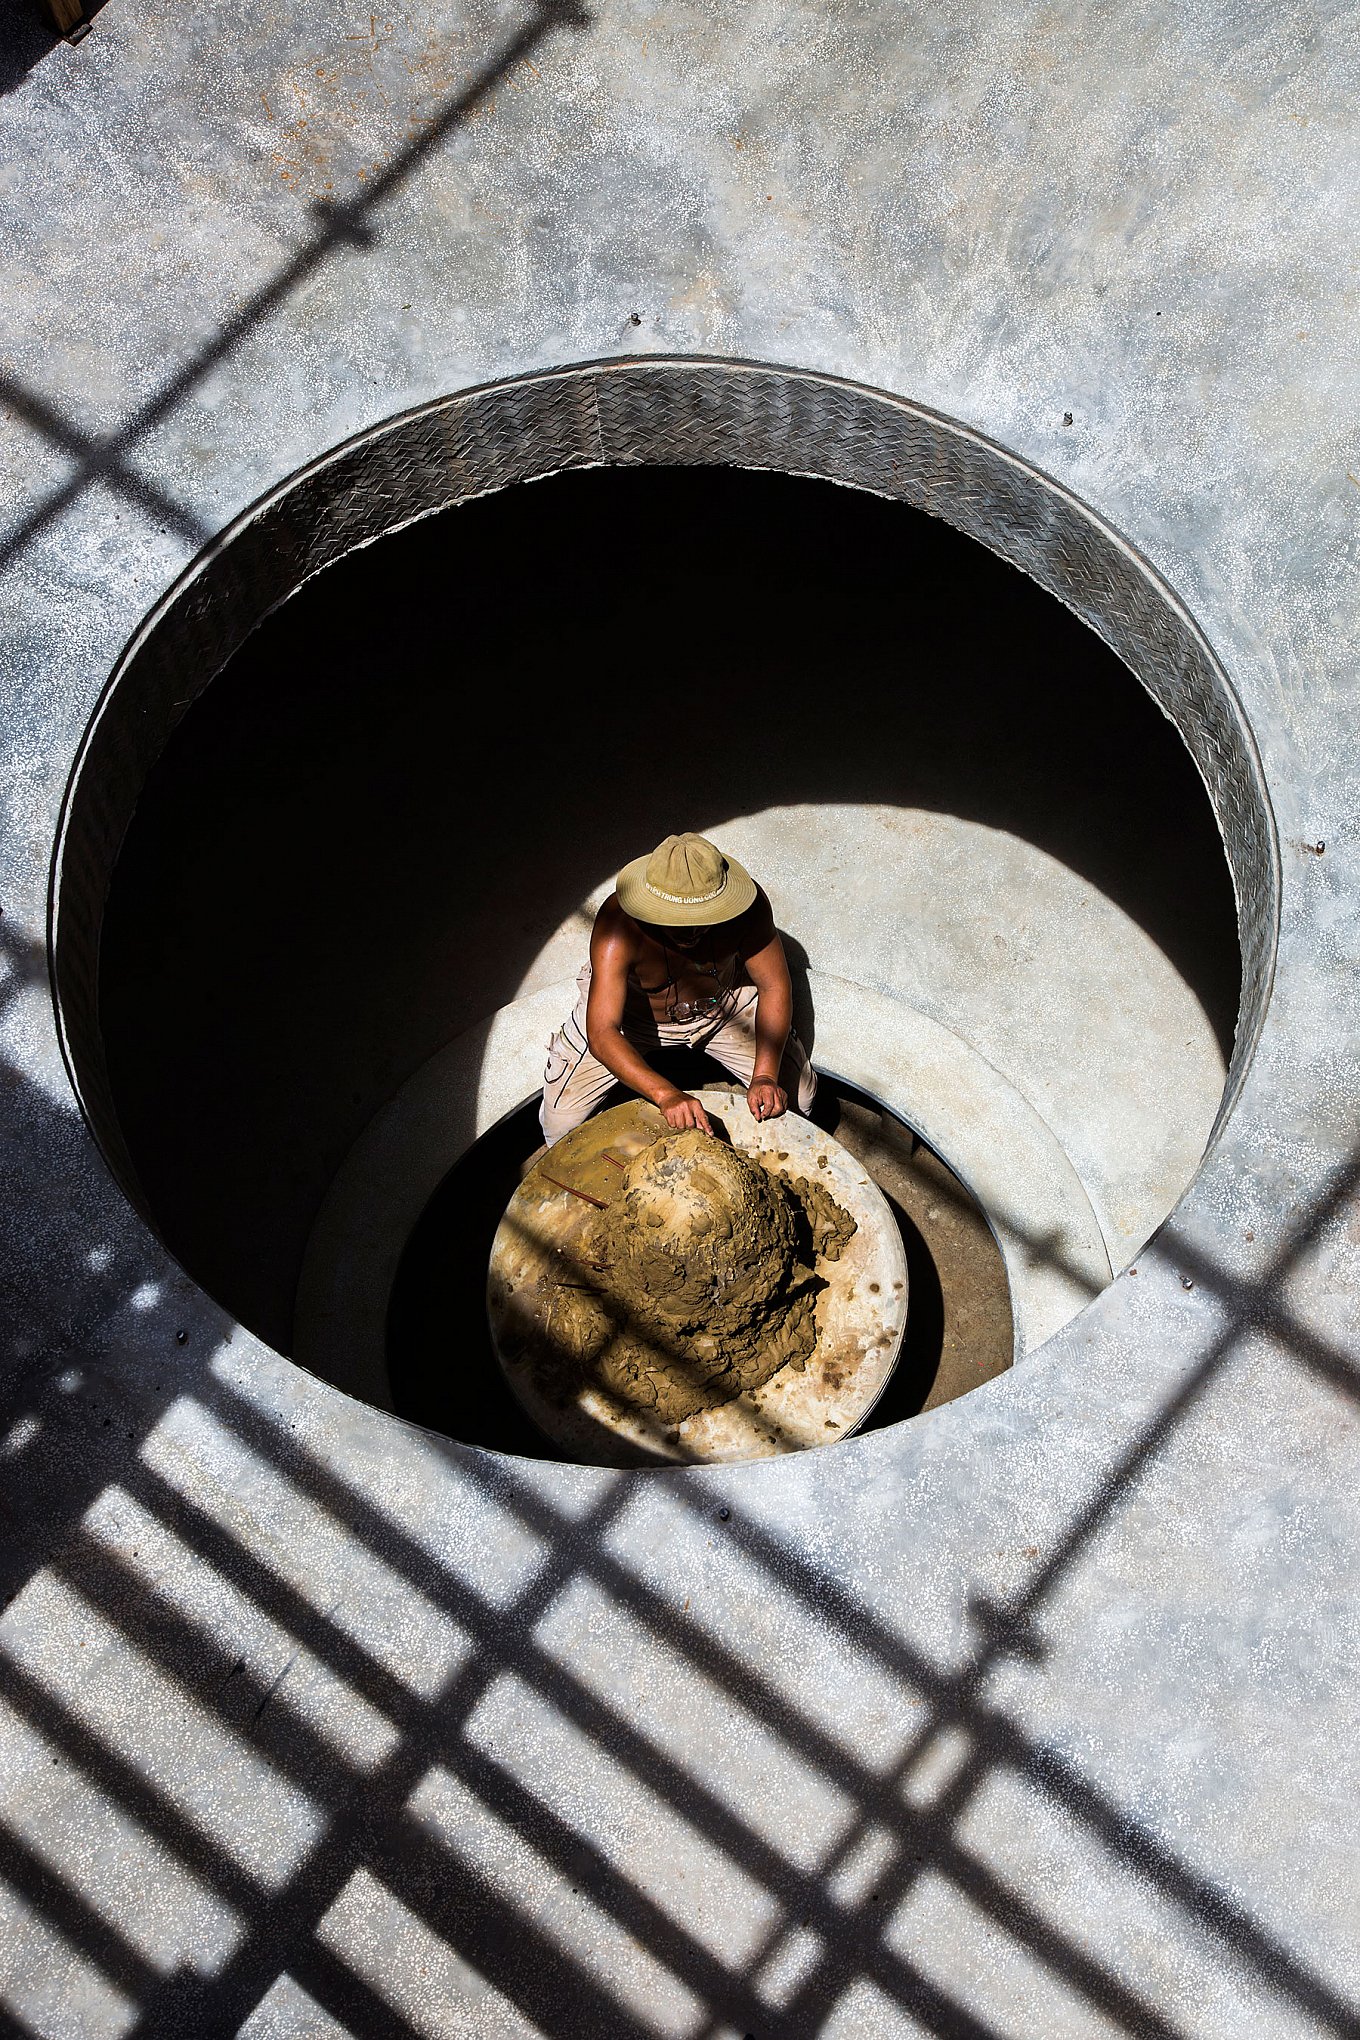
[{"x": 575, "y": 1081}]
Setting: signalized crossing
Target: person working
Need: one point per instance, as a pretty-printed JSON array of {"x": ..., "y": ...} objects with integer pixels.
[{"x": 684, "y": 953}]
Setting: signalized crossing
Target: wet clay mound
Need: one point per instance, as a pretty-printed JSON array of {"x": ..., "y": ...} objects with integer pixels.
[
  {"x": 678, "y": 1298},
  {"x": 701, "y": 1239},
  {"x": 830, "y": 1224},
  {"x": 695, "y": 1285}
]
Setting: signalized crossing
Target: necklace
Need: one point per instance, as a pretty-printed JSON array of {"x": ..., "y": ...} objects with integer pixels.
[{"x": 682, "y": 1010}]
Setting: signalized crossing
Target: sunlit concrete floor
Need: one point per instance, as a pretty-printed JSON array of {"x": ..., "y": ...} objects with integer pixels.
[{"x": 1037, "y": 1715}]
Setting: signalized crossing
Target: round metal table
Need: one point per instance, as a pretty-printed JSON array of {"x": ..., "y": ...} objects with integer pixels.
[{"x": 861, "y": 1312}]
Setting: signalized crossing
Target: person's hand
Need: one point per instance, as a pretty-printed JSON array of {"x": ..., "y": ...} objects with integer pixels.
[
  {"x": 766, "y": 1098},
  {"x": 680, "y": 1110}
]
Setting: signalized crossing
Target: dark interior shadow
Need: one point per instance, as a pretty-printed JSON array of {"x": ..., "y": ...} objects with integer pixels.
[
  {"x": 359, "y": 839},
  {"x": 27, "y": 35},
  {"x": 804, "y": 1017},
  {"x": 440, "y": 1359}
]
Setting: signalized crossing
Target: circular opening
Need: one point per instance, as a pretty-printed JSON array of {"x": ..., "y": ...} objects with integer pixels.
[{"x": 387, "y": 818}]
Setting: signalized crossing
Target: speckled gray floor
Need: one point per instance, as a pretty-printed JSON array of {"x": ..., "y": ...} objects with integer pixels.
[{"x": 1035, "y": 1716}]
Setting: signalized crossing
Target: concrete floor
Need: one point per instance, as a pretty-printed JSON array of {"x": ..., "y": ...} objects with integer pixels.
[{"x": 1034, "y": 1715}]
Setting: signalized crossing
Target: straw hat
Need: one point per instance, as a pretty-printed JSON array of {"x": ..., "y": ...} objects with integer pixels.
[{"x": 686, "y": 882}]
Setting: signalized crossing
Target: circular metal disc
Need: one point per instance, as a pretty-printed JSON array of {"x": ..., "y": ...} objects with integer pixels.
[{"x": 861, "y": 1314}]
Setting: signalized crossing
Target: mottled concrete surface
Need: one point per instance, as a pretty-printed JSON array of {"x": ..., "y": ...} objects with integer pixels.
[{"x": 1035, "y": 1716}]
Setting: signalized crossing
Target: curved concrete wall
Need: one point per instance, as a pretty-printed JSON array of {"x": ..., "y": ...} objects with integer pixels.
[{"x": 1036, "y": 1716}]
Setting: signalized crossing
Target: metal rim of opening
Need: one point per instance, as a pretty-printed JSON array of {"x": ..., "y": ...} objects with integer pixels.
[{"x": 690, "y": 411}]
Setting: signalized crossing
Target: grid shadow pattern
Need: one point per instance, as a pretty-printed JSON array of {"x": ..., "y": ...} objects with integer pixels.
[
  {"x": 306, "y": 1711},
  {"x": 266, "y": 1919}
]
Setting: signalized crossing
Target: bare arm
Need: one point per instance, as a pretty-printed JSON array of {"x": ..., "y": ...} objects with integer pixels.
[
  {"x": 768, "y": 969},
  {"x": 611, "y": 955}
]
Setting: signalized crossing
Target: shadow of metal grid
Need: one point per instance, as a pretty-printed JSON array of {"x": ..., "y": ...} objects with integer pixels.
[
  {"x": 366, "y": 1827},
  {"x": 365, "y": 1823}
]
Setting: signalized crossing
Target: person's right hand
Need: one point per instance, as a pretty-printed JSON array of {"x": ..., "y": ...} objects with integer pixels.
[{"x": 680, "y": 1110}]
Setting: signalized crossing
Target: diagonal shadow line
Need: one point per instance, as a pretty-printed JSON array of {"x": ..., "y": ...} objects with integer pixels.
[
  {"x": 1204, "y": 1901},
  {"x": 937, "y": 1848},
  {"x": 188, "y": 1651},
  {"x": 537, "y": 1975},
  {"x": 1123, "y": 1825},
  {"x": 327, "y": 1867},
  {"x": 100, "y": 462},
  {"x": 953, "y": 1694},
  {"x": 485, "y": 1622},
  {"x": 1339, "y": 1370},
  {"x": 944, "y": 1854},
  {"x": 480, "y": 1618},
  {"x": 120, "y": 1780},
  {"x": 624, "y": 1743},
  {"x": 269, "y": 1592},
  {"x": 415, "y": 1853},
  {"x": 183, "y": 2002},
  {"x": 1068, "y": 1961},
  {"x": 1145, "y": 1851},
  {"x": 1256, "y": 1305},
  {"x": 1128, "y": 1840},
  {"x": 522, "y": 1656},
  {"x": 923, "y": 1840},
  {"x": 861, "y": 1948},
  {"x": 41, "y": 1462},
  {"x": 1254, "y": 1309},
  {"x": 1248, "y": 1301},
  {"x": 193, "y": 1654},
  {"x": 344, "y": 224},
  {"x": 801, "y": 1896},
  {"x": 84, "y": 1929},
  {"x": 914, "y": 1995},
  {"x": 342, "y": 1992}
]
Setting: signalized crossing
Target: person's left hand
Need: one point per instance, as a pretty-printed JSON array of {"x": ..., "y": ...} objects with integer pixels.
[{"x": 766, "y": 1098}]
